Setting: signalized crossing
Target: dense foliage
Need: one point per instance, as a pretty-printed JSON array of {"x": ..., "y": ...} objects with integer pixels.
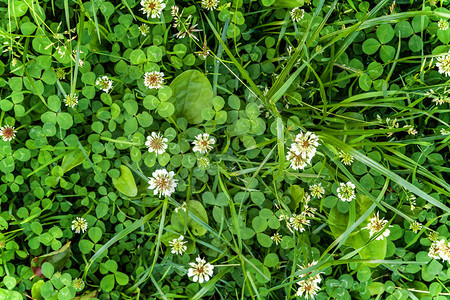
[{"x": 232, "y": 149}]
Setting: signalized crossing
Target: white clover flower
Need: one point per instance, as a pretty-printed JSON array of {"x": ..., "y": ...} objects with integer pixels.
[
  {"x": 376, "y": 225},
  {"x": 7, "y": 133},
  {"x": 156, "y": 143},
  {"x": 203, "y": 163},
  {"x": 276, "y": 238},
  {"x": 144, "y": 29},
  {"x": 305, "y": 144},
  {"x": 297, "y": 14},
  {"x": 317, "y": 190},
  {"x": 201, "y": 271},
  {"x": 308, "y": 287},
  {"x": 79, "y": 225},
  {"x": 434, "y": 251},
  {"x": 415, "y": 226},
  {"x": 443, "y": 24},
  {"x": 178, "y": 246},
  {"x": 346, "y": 158},
  {"x": 104, "y": 83},
  {"x": 162, "y": 182},
  {"x": 346, "y": 191},
  {"x": 203, "y": 143},
  {"x": 297, "y": 161},
  {"x": 154, "y": 80},
  {"x": 152, "y": 8},
  {"x": 316, "y": 278},
  {"x": 443, "y": 64},
  {"x": 78, "y": 284},
  {"x": 298, "y": 222},
  {"x": 210, "y": 4},
  {"x": 71, "y": 100},
  {"x": 440, "y": 250}
]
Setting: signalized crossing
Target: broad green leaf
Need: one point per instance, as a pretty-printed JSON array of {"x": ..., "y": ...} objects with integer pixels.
[
  {"x": 125, "y": 183},
  {"x": 73, "y": 158},
  {"x": 338, "y": 223},
  {"x": 57, "y": 258},
  {"x": 192, "y": 92},
  {"x": 180, "y": 219}
]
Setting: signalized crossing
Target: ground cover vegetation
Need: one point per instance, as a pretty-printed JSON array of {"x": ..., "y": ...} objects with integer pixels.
[{"x": 224, "y": 149}]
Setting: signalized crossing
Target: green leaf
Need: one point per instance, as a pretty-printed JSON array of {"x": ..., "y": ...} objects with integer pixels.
[
  {"x": 385, "y": 33},
  {"x": 420, "y": 23},
  {"x": 95, "y": 234},
  {"x": 365, "y": 82},
  {"x": 339, "y": 221},
  {"x": 137, "y": 57},
  {"x": 180, "y": 219},
  {"x": 36, "y": 290},
  {"x": 73, "y": 158},
  {"x": 85, "y": 246},
  {"x": 403, "y": 29},
  {"x": 415, "y": 43},
  {"x": 155, "y": 54},
  {"x": 387, "y": 53},
  {"x": 10, "y": 282},
  {"x": 121, "y": 278},
  {"x": 192, "y": 92},
  {"x": 57, "y": 258},
  {"x": 18, "y": 9},
  {"x": 64, "y": 120},
  {"x": 107, "y": 283},
  {"x": 370, "y": 46},
  {"x": 125, "y": 183},
  {"x": 47, "y": 269}
]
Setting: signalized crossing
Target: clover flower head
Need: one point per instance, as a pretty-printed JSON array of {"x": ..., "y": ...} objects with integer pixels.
[
  {"x": 346, "y": 191},
  {"x": 78, "y": 284},
  {"x": 157, "y": 143},
  {"x": 210, "y": 4},
  {"x": 104, "y": 83},
  {"x": 308, "y": 287},
  {"x": 415, "y": 226},
  {"x": 276, "y": 237},
  {"x": 178, "y": 246},
  {"x": 79, "y": 225},
  {"x": 317, "y": 190},
  {"x": 152, "y": 8},
  {"x": 306, "y": 144},
  {"x": 71, "y": 100},
  {"x": 346, "y": 158},
  {"x": 443, "y": 64},
  {"x": 144, "y": 29},
  {"x": 162, "y": 182},
  {"x": 443, "y": 24},
  {"x": 154, "y": 80},
  {"x": 299, "y": 221},
  {"x": 297, "y": 14},
  {"x": 376, "y": 225},
  {"x": 203, "y": 163},
  {"x": 297, "y": 161},
  {"x": 203, "y": 143},
  {"x": 7, "y": 133},
  {"x": 200, "y": 271}
]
